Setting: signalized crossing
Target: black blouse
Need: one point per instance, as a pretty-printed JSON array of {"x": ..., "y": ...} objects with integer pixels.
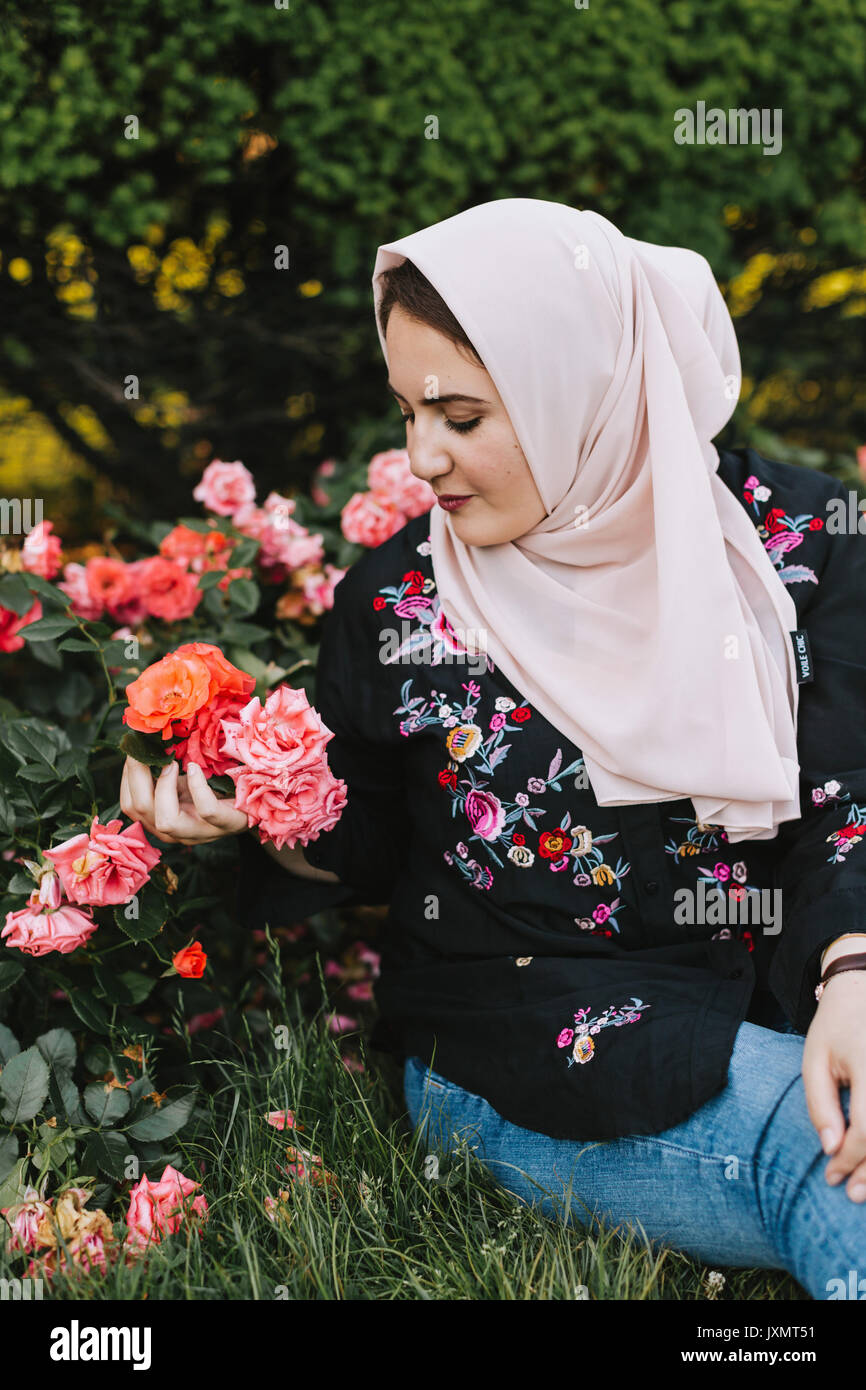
[{"x": 539, "y": 949}]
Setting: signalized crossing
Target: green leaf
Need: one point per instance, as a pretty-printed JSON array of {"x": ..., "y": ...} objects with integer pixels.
[
  {"x": 7, "y": 816},
  {"x": 244, "y": 596},
  {"x": 153, "y": 913},
  {"x": 243, "y": 633},
  {"x": 9, "y": 1044},
  {"x": 74, "y": 695},
  {"x": 58, "y": 1049},
  {"x": 8, "y": 1155},
  {"x": 63, "y": 1097},
  {"x": 111, "y": 987},
  {"x": 54, "y": 597},
  {"x": 107, "y": 1152},
  {"x": 139, "y": 985},
  {"x": 31, "y": 740},
  {"x": 47, "y": 653},
  {"x": 90, "y": 1011},
  {"x": 145, "y": 748},
  {"x": 76, "y": 644},
  {"x": 21, "y": 882},
  {"x": 15, "y": 594},
  {"x": 47, "y": 629},
  {"x": 209, "y": 579},
  {"x": 105, "y": 1104},
  {"x": 37, "y": 772},
  {"x": 13, "y": 1185},
  {"x": 168, "y": 1118},
  {"x": 24, "y": 1084},
  {"x": 10, "y": 973}
]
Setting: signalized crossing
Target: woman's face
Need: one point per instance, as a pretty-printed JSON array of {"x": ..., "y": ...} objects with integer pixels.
[{"x": 462, "y": 448}]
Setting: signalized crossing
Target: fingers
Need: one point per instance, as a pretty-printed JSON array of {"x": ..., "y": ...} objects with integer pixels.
[
  {"x": 136, "y": 793},
  {"x": 822, "y": 1099},
  {"x": 851, "y": 1155},
  {"x": 221, "y": 814},
  {"x": 171, "y": 823}
]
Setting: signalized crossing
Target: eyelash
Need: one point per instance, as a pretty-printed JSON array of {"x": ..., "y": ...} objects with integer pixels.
[{"x": 461, "y": 426}]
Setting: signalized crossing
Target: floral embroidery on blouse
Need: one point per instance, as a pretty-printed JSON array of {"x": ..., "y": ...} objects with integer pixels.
[
  {"x": 699, "y": 838},
  {"x": 782, "y": 533},
  {"x": 854, "y": 830},
  {"x": 585, "y": 1029}
]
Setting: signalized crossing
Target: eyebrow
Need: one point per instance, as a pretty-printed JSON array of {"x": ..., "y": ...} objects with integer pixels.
[{"x": 441, "y": 400}]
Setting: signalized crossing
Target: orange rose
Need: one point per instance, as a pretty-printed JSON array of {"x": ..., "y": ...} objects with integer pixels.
[
  {"x": 225, "y": 679},
  {"x": 174, "y": 688},
  {"x": 190, "y": 962}
]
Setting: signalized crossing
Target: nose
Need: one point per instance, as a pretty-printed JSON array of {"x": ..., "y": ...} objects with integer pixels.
[{"x": 428, "y": 458}]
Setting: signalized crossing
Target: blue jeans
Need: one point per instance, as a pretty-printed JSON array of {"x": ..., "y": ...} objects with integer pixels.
[{"x": 740, "y": 1182}]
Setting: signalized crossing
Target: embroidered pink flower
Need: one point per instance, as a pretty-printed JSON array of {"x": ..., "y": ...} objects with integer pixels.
[
  {"x": 108, "y": 866},
  {"x": 411, "y": 606},
  {"x": 565, "y": 1037},
  {"x": 486, "y": 814},
  {"x": 601, "y": 913},
  {"x": 40, "y": 553},
  {"x": 225, "y": 488},
  {"x": 391, "y": 473},
  {"x": 371, "y": 518},
  {"x": 37, "y": 931},
  {"x": 722, "y": 872}
]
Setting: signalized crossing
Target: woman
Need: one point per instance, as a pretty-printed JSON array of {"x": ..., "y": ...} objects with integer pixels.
[{"x": 605, "y": 751}]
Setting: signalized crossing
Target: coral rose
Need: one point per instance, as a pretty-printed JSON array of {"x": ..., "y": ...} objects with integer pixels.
[
  {"x": 204, "y": 741},
  {"x": 174, "y": 688},
  {"x": 104, "y": 867},
  {"x": 109, "y": 583},
  {"x": 167, "y": 590},
  {"x": 225, "y": 679},
  {"x": 277, "y": 739}
]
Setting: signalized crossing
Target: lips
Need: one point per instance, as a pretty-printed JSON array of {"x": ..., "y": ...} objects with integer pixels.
[{"x": 450, "y": 502}]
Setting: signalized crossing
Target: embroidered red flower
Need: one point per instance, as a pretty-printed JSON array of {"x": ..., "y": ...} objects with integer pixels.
[
  {"x": 553, "y": 843},
  {"x": 378, "y": 603},
  {"x": 748, "y": 494},
  {"x": 415, "y": 580},
  {"x": 519, "y": 839},
  {"x": 521, "y": 714},
  {"x": 773, "y": 521},
  {"x": 816, "y": 524},
  {"x": 447, "y": 779}
]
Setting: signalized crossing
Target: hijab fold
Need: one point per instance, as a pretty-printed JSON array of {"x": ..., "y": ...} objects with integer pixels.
[{"x": 642, "y": 615}]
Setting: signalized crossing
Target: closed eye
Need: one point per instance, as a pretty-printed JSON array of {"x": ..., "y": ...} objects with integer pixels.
[{"x": 461, "y": 426}]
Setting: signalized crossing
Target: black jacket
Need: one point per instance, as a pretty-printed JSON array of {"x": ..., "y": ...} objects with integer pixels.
[{"x": 536, "y": 951}]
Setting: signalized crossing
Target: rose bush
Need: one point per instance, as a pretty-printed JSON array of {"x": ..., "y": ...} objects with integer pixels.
[{"x": 194, "y": 639}]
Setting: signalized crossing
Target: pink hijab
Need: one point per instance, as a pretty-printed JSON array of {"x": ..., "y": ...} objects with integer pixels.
[{"x": 642, "y": 616}]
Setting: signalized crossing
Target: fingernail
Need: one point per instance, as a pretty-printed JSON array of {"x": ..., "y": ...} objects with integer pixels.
[
  {"x": 166, "y": 768},
  {"x": 193, "y": 767},
  {"x": 857, "y": 1194},
  {"x": 834, "y": 1178},
  {"x": 828, "y": 1140}
]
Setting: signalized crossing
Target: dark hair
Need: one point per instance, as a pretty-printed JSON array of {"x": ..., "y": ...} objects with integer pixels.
[{"x": 405, "y": 285}]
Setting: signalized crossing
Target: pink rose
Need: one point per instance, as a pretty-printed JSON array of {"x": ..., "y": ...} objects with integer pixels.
[
  {"x": 390, "y": 473},
  {"x": 104, "y": 867},
  {"x": 74, "y": 585},
  {"x": 319, "y": 588},
  {"x": 40, "y": 553},
  {"x": 281, "y": 1119},
  {"x": 158, "y": 1208},
  {"x": 225, "y": 488},
  {"x": 371, "y": 518},
  {"x": 11, "y": 625},
  {"x": 283, "y": 541},
  {"x": 278, "y": 738},
  {"x": 312, "y": 803},
  {"x": 486, "y": 814},
  {"x": 37, "y": 931},
  {"x": 341, "y": 1023}
]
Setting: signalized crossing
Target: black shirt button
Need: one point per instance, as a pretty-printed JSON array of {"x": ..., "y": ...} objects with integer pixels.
[{"x": 651, "y": 885}]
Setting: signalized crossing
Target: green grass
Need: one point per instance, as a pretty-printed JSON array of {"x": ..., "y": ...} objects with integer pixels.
[{"x": 403, "y": 1237}]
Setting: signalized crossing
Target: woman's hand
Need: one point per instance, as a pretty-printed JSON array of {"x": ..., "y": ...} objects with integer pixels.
[
  {"x": 835, "y": 1055},
  {"x": 178, "y": 809}
]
